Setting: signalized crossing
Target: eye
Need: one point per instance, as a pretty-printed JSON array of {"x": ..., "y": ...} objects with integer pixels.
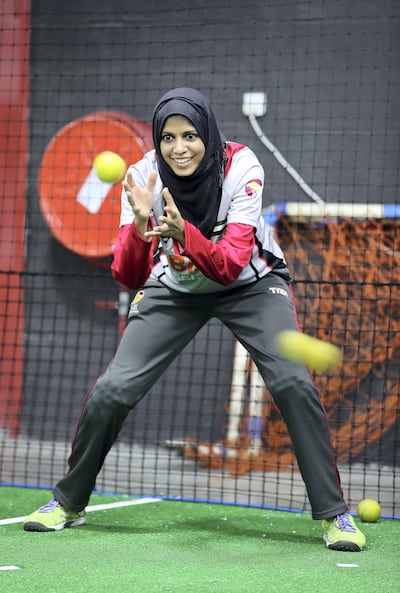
[
  {"x": 167, "y": 138},
  {"x": 191, "y": 136}
]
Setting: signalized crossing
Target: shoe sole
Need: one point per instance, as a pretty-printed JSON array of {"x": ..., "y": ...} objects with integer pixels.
[
  {"x": 344, "y": 546},
  {"x": 33, "y": 526}
]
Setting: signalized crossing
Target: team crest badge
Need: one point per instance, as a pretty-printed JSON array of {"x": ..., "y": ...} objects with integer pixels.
[
  {"x": 134, "y": 305},
  {"x": 253, "y": 187},
  {"x": 138, "y": 297}
]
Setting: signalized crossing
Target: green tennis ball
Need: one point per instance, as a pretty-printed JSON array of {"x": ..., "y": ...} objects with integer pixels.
[
  {"x": 109, "y": 166},
  {"x": 369, "y": 510},
  {"x": 319, "y": 356}
]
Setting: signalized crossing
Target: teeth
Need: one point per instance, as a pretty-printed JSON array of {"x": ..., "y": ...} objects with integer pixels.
[{"x": 182, "y": 161}]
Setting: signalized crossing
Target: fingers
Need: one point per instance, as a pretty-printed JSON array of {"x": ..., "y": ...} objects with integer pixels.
[
  {"x": 129, "y": 183},
  {"x": 151, "y": 181},
  {"x": 169, "y": 200},
  {"x": 170, "y": 207}
]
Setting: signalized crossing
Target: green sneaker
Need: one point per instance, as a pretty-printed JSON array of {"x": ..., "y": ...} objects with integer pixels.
[
  {"x": 53, "y": 517},
  {"x": 341, "y": 533}
]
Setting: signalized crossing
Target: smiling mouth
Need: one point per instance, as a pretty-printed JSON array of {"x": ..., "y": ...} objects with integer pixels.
[{"x": 184, "y": 161}]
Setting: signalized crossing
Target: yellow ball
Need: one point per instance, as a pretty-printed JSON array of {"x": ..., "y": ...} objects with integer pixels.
[
  {"x": 369, "y": 510},
  {"x": 110, "y": 166},
  {"x": 317, "y": 355}
]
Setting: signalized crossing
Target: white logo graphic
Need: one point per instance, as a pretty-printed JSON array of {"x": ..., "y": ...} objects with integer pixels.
[{"x": 278, "y": 290}]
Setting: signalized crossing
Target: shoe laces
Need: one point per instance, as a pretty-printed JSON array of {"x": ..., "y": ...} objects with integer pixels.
[
  {"x": 343, "y": 522},
  {"x": 50, "y": 506}
]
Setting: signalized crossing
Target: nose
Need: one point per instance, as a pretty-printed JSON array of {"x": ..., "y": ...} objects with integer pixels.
[{"x": 179, "y": 146}]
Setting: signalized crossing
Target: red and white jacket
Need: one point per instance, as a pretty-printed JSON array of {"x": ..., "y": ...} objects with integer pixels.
[{"x": 242, "y": 248}]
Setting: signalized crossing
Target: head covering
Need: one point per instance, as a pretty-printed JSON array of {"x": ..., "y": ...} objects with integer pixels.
[{"x": 197, "y": 196}]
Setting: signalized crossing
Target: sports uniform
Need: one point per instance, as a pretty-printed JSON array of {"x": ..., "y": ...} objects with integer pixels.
[
  {"x": 240, "y": 204},
  {"x": 230, "y": 268}
]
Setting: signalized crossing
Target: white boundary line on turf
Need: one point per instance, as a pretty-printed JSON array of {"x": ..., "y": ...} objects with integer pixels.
[{"x": 95, "y": 507}]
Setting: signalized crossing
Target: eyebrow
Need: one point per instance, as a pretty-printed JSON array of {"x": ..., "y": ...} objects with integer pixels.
[{"x": 188, "y": 131}]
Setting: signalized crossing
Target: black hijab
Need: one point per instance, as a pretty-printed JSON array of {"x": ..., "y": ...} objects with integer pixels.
[{"x": 197, "y": 196}]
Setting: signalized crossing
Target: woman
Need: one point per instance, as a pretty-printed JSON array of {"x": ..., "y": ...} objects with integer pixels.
[{"x": 193, "y": 242}]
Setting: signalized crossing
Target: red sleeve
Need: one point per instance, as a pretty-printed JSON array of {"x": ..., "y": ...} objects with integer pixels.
[
  {"x": 222, "y": 261},
  {"x": 133, "y": 257}
]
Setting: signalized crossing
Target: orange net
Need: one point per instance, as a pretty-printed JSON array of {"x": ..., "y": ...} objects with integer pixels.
[{"x": 348, "y": 293}]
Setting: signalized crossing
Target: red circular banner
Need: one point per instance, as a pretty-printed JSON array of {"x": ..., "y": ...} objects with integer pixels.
[{"x": 82, "y": 211}]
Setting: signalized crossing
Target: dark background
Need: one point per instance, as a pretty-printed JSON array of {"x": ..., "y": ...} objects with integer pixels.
[{"x": 331, "y": 74}]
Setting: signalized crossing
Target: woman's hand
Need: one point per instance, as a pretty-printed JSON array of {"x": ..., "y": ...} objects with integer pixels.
[
  {"x": 172, "y": 224},
  {"x": 140, "y": 199}
]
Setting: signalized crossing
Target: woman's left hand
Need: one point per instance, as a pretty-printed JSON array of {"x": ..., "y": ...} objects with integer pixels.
[{"x": 172, "y": 224}]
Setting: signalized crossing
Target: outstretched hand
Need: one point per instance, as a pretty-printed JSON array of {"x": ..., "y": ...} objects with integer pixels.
[
  {"x": 140, "y": 198},
  {"x": 172, "y": 224}
]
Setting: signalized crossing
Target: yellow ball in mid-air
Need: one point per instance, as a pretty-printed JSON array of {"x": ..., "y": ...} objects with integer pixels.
[
  {"x": 317, "y": 355},
  {"x": 369, "y": 510},
  {"x": 109, "y": 166}
]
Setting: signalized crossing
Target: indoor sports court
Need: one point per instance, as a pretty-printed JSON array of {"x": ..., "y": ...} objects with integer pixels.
[{"x": 313, "y": 88}]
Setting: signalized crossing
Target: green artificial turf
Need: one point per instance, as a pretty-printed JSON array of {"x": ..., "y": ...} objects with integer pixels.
[{"x": 174, "y": 547}]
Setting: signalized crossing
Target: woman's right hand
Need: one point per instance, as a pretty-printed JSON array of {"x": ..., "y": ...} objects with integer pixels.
[{"x": 140, "y": 199}]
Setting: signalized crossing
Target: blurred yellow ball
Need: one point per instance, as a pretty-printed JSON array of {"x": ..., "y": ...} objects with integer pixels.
[
  {"x": 317, "y": 355},
  {"x": 110, "y": 166},
  {"x": 369, "y": 510}
]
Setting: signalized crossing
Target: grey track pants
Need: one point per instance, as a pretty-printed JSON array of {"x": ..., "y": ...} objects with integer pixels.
[{"x": 161, "y": 323}]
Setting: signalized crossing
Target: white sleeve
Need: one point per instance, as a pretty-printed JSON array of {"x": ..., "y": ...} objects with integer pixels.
[{"x": 243, "y": 187}]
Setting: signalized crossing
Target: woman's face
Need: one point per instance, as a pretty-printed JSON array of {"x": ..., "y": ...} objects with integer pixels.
[{"x": 181, "y": 146}]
